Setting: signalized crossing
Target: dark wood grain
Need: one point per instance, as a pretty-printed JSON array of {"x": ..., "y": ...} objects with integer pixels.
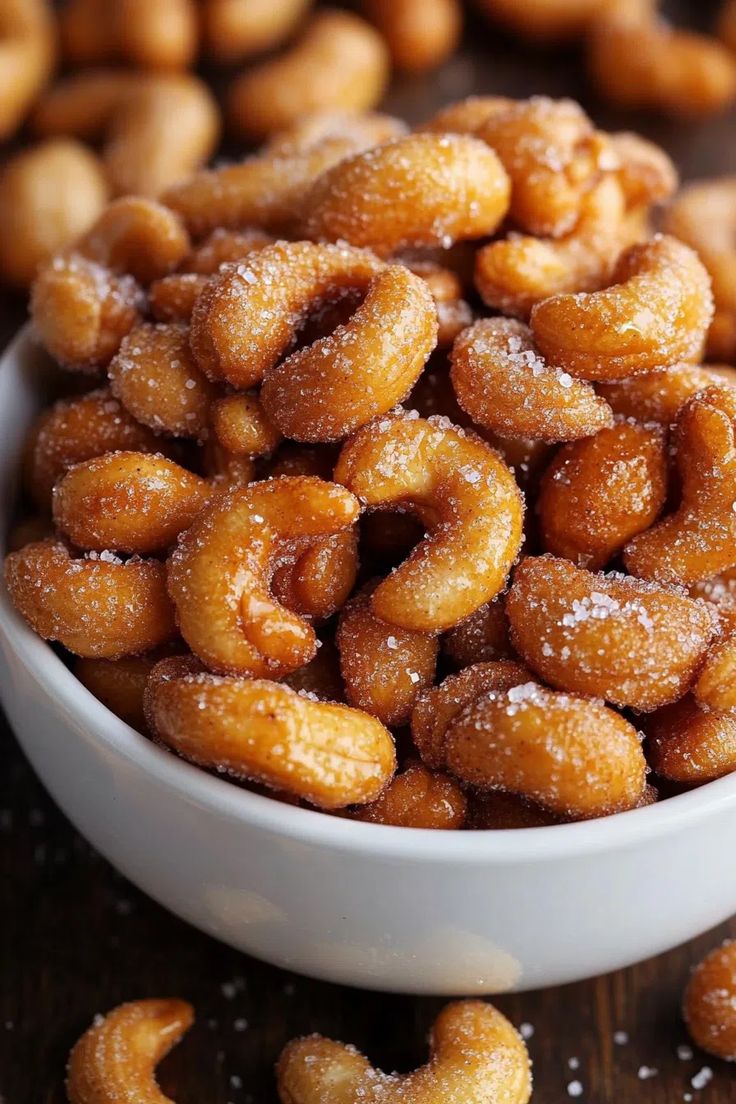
[{"x": 76, "y": 938}]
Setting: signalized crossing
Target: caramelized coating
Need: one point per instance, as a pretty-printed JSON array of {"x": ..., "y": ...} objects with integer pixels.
[
  {"x": 709, "y": 1004},
  {"x": 49, "y": 195},
  {"x": 78, "y": 429},
  {"x": 146, "y": 34},
  {"x": 420, "y": 35},
  {"x": 249, "y": 315},
  {"x": 543, "y": 20},
  {"x": 321, "y": 580},
  {"x": 517, "y": 272},
  {"x": 116, "y": 1058},
  {"x": 128, "y": 502},
  {"x": 647, "y": 174},
  {"x": 638, "y": 60},
  {"x": 494, "y": 810},
  {"x": 27, "y": 55},
  {"x": 420, "y": 191},
  {"x": 571, "y": 755},
  {"x": 481, "y": 637},
  {"x": 225, "y": 470},
  {"x": 475, "y": 1055},
  {"x": 96, "y": 605},
  {"x": 553, "y": 157},
  {"x": 697, "y": 541},
  {"x": 172, "y": 298},
  {"x": 716, "y": 685},
  {"x": 632, "y": 643},
  {"x": 466, "y": 116},
  {"x": 339, "y": 62},
  {"x": 137, "y": 236},
  {"x": 242, "y": 427},
  {"x": 690, "y": 744},
  {"x": 361, "y": 129},
  {"x": 384, "y": 668},
  {"x": 418, "y": 798},
  {"x": 120, "y": 683},
  {"x": 438, "y": 707},
  {"x": 327, "y": 754},
  {"x": 355, "y": 373},
  {"x": 220, "y": 574},
  {"x": 453, "y": 312},
  {"x": 464, "y": 495},
  {"x": 655, "y": 313},
  {"x": 154, "y": 376},
  {"x": 505, "y": 386},
  {"x": 321, "y": 677},
  {"x": 237, "y": 29},
  {"x": 599, "y": 493},
  {"x": 222, "y": 247},
  {"x": 720, "y": 594},
  {"x": 658, "y": 396},
  {"x": 82, "y": 311}
]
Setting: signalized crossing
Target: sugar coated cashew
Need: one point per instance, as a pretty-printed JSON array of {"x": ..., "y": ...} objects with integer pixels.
[
  {"x": 96, "y": 605},
  {"x": 422, "y": 190},
  {"x": 338, "y": 383},
  {"x": 655, "y": 313},
  {"x": 339, "y": 62},
  {"x": 49, "y": 195},
  {"x": 27, "y": 54},
  {"x": 720, "y": 593},
  {"x": 481, "y": 637},
  {"x": 638, "y": 60},
  {"x": 709, "y": 1004},
  {"x": 146, "y": 34},
  {"x": 73, "y": 430},
  {"x": 612, "y": 636},
  {"x": 120, "y": 683},
  {"x": 572, "y": 755},
  {"x": 599, "y": 493},
  {"x": 553, "y": 157},
  {"x": 466, "y": 116},
  {"x": 418, "y": 798},
  {"x": 236, "y": 29},
  {"x": 384, "y": 668},
  {"x": 658, "y": 396},
  {"x": 453, "y": 312},
  {"x": 691, "y": 744},
  {"x": 646, "y": 173},
  {"x": 462, "y": 492},
  {"x": 242, "y": 427},
  {"x": 131, "y": 502},
  {"x": 361, "y": 129},
  {"x": 321, "y": 579},
  {"x": 475, "y": 1056},
  {"x": 154, "y": 376},
  {"x": 220, "y": 574},
  {"x": 437, "y": 708},
  {"x": 83, "y": 105},
  {"x": 419, "y": 35},
  {"x": 505, "y": 386},
  {"x": 137, "y": 236},
  {"x": 697, "y": 541},
  {"x": 324, "y": 753},
  {"x": 172, "y": 298},
  {"x": 116, "y": 1058},
  {"x": 716, "y": 685}
]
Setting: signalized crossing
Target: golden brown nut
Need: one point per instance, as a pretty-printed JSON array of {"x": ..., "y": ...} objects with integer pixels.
[
  {"x": 420, "y": 191},
  {"x": 384, "y": 668},
  {"x": 172, "y": 298},
  {"x": 720, "y": 593},
  {"x": 360, "y": 129},
  {"x": 466, "y": 116},
  {"x": 117, "y": 1056},
  {"x": 420, "y": 35},
  {"x": 120, "y": 683},
  {"x": 716, "y": 685},
  {"x": 147, "y": 34},
  {"x": 655, "y": 313},
  {"x": 709, "y": 1004},
  {"x": 438, "y": 707},
  {"x": 697, "y": 541},
  {"x": 658, "y": 396},
  {"x": 481, "y": 637},
  {"x": 84, "y": 105},
  {"x": 128, "y": 502},
  {"x": 319, "y": 582},
  {"x": 339, "y": 62},
  {"x": 599, "y": 493},
  {"x": 220, "y": 574},
  {"x": 136, "y": 236},
  {"x": 236, "y": 29},
  {"x": 462, "y": 492},
  {"x": 638, "y": 60},
  {"x": 646, "y": 173},
  {"x": 27, "y": 54},
  {"x": 49, "y": 195},
  {"x": 475, "y": 1054},
  {"x": 632, "y": 643},
  {"x": 223, "y": 246},
  {"x": 418, "y": 798},
  {"x": 96, "y": 605},
  {"x": 572, "y": 755},
  {"x": 327, "y": 754},
  {"x": 242, "y": 427},
  {"x": 688, "y": 743},
  {"x": 505, "y": 386}
]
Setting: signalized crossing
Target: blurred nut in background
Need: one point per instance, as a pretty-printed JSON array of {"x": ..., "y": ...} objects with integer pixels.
[{"x": 27, "y": 52}]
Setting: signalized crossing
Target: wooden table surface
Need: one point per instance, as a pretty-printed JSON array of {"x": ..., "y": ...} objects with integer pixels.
[{"x": 77, "y": 938}]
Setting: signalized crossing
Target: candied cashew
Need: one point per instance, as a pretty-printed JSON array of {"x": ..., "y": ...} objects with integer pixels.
[
  {"x": 120, "y": 683},
  {"x": 420, "y": 34},
  {"x": 658, "y": 396},
  {"x": 655, "y": 313},
  {"x": 646, "y": 172},
  {"x": 131, "y": 502},
  {"x": 572, "y": 755},
  {"x": 340, "y": 61},
  {"x": 698, "y": 540},
  {"x": 612, "y": 636},
  {"x": 27, "y": 55},
  {"x": 716, "y": 685},
  {"x": 709, "y": 1003},
  {"x": 481, "y": 637},
  {"x": 242, "y": 427},
  {"x": 505, "y": 386},
  {"x": 138, "y": 236},
  {"x": 475, "y": 1055},
  {"x": 116, "y": 1058},
  {"x": 146, "y": 34},
  {"x": 234, "y": 30},
  {"x": 466, "y": 116},
  {"x": 465, "y": 496},
  {"x": 95, "y": 605},
  {"x": 418, "y": 798},
  {"x": 599, "y": 493},
  {"x": 327, "y": 754},
  {"x": 691, "y": 744},
  {"x": 221, "y": 572},
  {"x": 419, "y": 191},
  {"x": 720, "y": 594}
]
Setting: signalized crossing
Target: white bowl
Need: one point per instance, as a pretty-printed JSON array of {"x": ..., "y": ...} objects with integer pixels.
[{"x": 386, "y": 908}]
